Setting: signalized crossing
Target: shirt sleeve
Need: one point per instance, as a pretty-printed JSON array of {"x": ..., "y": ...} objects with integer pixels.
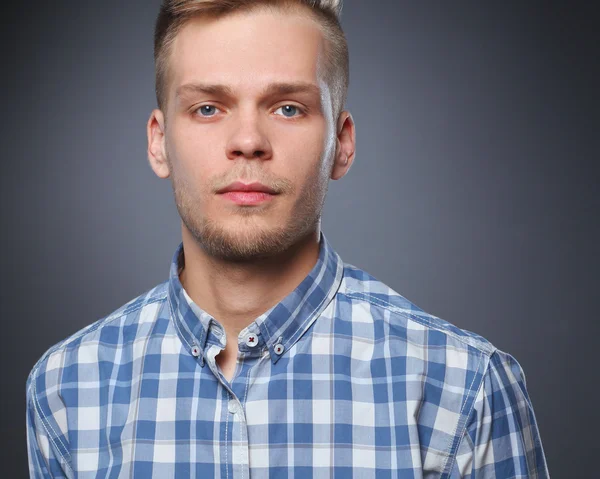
[
  {"x": 501, "y": 438},
  {"x": 46, "y": 460}
]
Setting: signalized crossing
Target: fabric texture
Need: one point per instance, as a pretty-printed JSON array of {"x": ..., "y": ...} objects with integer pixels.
[{"x": 343, "y": 378}]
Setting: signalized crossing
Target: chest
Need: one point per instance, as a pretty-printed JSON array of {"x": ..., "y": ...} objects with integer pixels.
[{"x": 335, "y": 419}]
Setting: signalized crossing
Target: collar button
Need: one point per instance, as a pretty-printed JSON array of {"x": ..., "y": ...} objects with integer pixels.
[
  {"x": 251, "y": 340},
  {"x": 278, "y": 348}
]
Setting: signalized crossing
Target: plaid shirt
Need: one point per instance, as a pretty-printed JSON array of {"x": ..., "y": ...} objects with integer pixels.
[{"x": 344, "y": 377}]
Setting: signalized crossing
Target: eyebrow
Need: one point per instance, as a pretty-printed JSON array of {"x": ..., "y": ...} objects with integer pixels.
[{"x": 271, "y": 89}]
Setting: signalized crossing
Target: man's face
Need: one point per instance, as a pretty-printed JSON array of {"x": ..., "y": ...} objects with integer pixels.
[{"x": 249, "y": 130}]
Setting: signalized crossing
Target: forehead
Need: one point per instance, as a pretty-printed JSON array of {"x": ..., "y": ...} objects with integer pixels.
[{"x": 248, "y": 50}]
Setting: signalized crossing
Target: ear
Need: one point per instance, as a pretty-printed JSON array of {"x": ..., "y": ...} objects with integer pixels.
[
  {"x": 157, "y": 155},
  {"x": 345, "y": 145}
]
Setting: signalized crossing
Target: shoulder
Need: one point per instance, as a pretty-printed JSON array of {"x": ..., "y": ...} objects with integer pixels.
[
  {"x": 463, "y": 382},
  {"x": 404, "y": 319},
  {"x": 123, "y": 326}
]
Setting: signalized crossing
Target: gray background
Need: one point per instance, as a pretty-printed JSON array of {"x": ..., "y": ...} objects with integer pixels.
[{"x": 474, "y": 192}]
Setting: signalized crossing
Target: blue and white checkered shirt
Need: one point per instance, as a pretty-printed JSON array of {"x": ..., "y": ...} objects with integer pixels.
[{"x": 344, "y": 377}]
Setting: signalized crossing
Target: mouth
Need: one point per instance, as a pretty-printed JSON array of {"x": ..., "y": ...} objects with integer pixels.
[
  {"x": 247, "y": 194},
  {"x": 248, "y": 197},
  {"x": 251, "y": 187}
]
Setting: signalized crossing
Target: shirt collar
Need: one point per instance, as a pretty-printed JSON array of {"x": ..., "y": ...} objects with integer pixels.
[{"x": 278, "y": 328}]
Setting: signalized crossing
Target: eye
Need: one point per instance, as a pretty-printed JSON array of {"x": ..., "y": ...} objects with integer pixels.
[
  {"x": 289, "y": 110},
  {"x": 207, "y": 110}
]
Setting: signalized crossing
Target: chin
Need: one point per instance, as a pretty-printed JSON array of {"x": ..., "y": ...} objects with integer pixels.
[{"x": 239, "y": 241}]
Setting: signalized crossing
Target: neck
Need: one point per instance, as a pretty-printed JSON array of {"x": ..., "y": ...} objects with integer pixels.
[{"x": 235, "y": 294}]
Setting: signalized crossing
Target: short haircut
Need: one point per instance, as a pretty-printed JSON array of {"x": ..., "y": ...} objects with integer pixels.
[{"x": 174, "y": 14}]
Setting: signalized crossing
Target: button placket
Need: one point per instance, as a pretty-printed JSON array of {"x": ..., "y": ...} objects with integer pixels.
[{"x": 233, "y": 406}]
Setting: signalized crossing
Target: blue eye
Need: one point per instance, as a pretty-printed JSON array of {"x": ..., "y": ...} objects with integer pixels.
[
  {"x": 288, "y": 110},
  {"x": 207, "y": 110}
]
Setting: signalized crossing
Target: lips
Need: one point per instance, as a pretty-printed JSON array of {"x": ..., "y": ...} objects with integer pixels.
[
  {"x": 249, "y": 187},
  {"x": 248, "y": 194}
]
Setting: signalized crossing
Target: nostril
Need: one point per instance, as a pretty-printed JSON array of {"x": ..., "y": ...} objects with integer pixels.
[{"x": 256, "y": 154}]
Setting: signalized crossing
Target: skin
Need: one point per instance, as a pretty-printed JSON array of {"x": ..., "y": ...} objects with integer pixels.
[{"x": 241, "y": 260}]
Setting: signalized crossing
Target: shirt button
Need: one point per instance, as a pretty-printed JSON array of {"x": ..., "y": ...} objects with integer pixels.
[
  {"x": 278, "y": 348},
  {"x": 233, "y": 406},
  {"x": 195, "y": 351},
  {"x": 251, "y": 340}
]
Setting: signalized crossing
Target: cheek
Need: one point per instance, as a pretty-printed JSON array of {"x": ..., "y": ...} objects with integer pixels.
[
  {"x": 307, "y": 173},
  {"x": 306, "y": 145},
  {"x": 190, "y": 146},
  {"x": 195, "y": 160}
]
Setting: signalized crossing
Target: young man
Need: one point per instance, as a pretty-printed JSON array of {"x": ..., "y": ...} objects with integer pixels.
[{"x": 264, "y": 354}]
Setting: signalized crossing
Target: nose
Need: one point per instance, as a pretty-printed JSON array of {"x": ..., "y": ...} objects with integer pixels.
[{"x": 248, "y": 138}]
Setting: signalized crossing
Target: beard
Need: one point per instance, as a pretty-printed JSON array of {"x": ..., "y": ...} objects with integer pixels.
[{"x": 247, "y": 239}]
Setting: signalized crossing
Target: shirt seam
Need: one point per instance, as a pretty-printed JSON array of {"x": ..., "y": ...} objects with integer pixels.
[
  {"x": 526, "y": 403},
  {"x": 54, "y": 436},
  {"x": 227, "y": 442},
  {"x": 452, "y": 457},
  {"x": 392, "y": 308},
  {"x": 92, "y": 328}
]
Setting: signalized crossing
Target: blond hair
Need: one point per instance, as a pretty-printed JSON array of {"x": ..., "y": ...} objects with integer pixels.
[{"x": 175, "y": 13}]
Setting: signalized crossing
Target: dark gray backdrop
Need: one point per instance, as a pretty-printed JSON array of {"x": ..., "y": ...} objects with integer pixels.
[{"x": 474, "y": 192}]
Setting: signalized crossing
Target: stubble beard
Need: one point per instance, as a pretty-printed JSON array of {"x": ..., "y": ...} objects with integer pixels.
[{"x": 248, "y": 241}]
